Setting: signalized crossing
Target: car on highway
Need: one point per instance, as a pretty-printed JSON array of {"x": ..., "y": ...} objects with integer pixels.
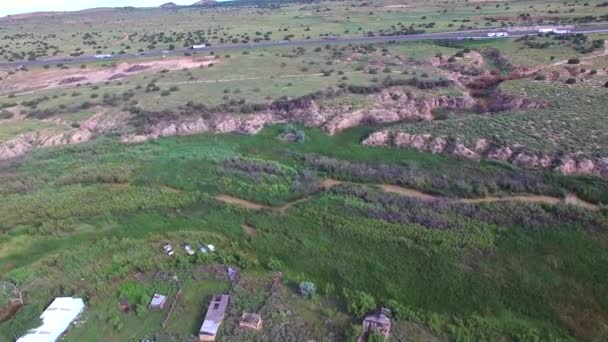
[{"x": 498, "y": 34}]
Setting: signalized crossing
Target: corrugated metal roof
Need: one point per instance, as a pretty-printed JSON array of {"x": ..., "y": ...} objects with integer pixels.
[
  {"x": 215, "y": 314},
  {"x": 55, "y": 320}
]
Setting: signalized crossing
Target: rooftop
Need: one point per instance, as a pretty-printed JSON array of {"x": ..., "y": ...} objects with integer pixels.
[
  {"x": 215, "y": 314},
  {"x": 55, "y": 320}
]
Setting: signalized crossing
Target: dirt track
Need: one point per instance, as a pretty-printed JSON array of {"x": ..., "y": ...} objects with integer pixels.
[{"x": 329, "y": 183}]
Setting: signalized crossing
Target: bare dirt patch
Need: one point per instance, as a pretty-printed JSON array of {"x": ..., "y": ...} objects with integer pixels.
[
  {"x": 240, "y": 202},
  {"x": 249, "y": 230},
  {"x": 399, "y": 190},
  {"x": 329, "y": 183},
  {"x": 54, "y": 78},
  {"x": 10, "y": 309}
]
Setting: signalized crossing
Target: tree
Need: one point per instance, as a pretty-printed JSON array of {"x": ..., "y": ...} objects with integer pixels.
[
  {"x": 307, "y": 289},
  {"x": 358, "y": 303}
]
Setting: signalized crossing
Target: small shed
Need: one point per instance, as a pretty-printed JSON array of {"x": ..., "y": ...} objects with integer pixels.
[
  {"x": 378, "y": 322},
  {"x": 214, "y": 317},
  {"x": 251, "y": 321},
  {"x": 158, "y": 301}
]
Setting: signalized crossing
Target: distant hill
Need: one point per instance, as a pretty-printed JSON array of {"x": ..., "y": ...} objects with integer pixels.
[
  {"x": 204, "y": 2},
  {"x": 169, "y": 5}
]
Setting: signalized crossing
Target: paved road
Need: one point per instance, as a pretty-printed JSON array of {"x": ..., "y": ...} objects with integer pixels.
[{"x": 458, "y": 35}]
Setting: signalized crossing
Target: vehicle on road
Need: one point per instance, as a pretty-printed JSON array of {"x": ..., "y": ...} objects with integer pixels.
[
  {"x": 498, "y": 34},
  {"x": 200, "y": 46}
]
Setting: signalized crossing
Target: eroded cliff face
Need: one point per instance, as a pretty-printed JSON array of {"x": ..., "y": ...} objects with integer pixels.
[
  {"x": 483, "y": 149},
  {"x": 97, "y": 124},
  {"x": 394, "y": 105},
  {"x": 389, "y": 106}
]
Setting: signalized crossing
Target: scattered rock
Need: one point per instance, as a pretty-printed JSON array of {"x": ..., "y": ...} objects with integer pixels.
[{"x": 463, "y": 152}]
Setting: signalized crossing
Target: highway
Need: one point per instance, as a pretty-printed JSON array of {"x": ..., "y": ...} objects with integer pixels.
[{"x": 457, "y": 35}]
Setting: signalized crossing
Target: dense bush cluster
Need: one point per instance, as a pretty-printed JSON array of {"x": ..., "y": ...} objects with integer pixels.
[
  {"x": 456, "y": 183},
  {"x": 443, "y": 215}
]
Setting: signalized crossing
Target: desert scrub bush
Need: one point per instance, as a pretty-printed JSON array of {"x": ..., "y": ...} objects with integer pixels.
[
  {"x": 113, "y": 258},
  {"x": 274, "y": 264},
  {"x": 307, "y": 289},
  {"x": 80, "y": 201},
  {"x": 458, "y": 184},
  {"x": 5, "y": 114},
  {"x": 358, "y": 303}
]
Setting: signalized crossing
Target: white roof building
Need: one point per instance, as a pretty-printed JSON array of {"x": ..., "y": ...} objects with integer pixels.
[
  {"x": 55, "y": 320},
  {"x": 214, "y": 317}
]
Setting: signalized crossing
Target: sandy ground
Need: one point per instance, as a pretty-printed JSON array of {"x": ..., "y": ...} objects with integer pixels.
[{"x": 56, "y": 78}]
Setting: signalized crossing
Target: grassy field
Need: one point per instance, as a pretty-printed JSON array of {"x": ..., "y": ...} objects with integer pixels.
[
  {"x": 442, "y": 251},
  {"x": 128, "y": 30},
  {"x": 573, "y": 123},
  {"x": 69, "y": 219}
]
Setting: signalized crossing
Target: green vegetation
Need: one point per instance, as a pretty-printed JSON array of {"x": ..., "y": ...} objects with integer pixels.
[
  {"x": 317, "y": 230},
  {"x": 549, "y": 130},
  {"x": 439, "y": 265}
]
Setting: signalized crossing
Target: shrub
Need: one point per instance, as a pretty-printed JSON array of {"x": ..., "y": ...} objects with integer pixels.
[
  {"x": 376, "y": 337},
  {"x": 5, "y": 114},
  {"x": 358, "y": 303},
  {"x": 353, "y": 334},
  {"x": 300, "y": 137},
  {"x": 571, "y": 80},
  {"x": 274, "y": 264},
  {"x": 307, "y": 289},
  {"x": 165, "y": 93},
  {"x": 574, "y": 61}
]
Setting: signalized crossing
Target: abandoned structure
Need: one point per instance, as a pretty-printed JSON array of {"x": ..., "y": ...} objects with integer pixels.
[
  {"x": 55, "y": 320},
  {"x": 158, "y": 302},
  {"x": 214, "y": 317},
  {"x": 251, "y": 321},
  {"x": 377, "y": 323}
]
